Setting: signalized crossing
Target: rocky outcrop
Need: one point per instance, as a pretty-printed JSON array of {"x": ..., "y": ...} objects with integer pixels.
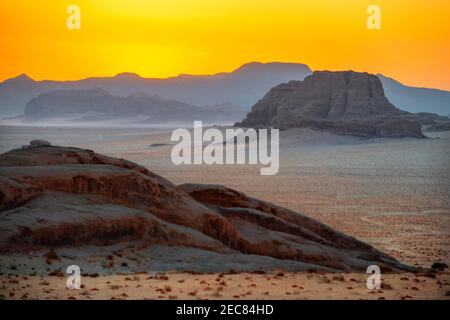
[
  {"x": 59, "y": 197},
  {"x": 339, "y": 102},
  {"x": 13, "y": 194}
]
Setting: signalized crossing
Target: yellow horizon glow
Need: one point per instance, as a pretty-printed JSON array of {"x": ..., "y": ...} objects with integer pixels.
[{"x": 165, "y": 38}]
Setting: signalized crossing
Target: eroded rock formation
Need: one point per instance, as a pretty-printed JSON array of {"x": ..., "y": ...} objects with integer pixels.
[
  {"x": 60, "y": 197},
  {"x": 345, "y": 102}
]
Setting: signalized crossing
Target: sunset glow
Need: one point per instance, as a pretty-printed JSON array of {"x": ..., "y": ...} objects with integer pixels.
[{"x": 166, "y": 38}]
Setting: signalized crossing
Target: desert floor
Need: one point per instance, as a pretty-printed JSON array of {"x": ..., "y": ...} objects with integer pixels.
[
  {"x": 276, "y": 286},
  {"x": 393, "y": 194}
]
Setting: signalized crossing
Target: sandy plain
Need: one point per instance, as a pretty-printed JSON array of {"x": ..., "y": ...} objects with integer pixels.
[{"x": 391, "y": 193}]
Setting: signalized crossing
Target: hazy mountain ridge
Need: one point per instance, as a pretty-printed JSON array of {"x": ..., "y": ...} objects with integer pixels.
[
  {"x": 242, "y": 87},
  {"x": 96, "y": 104},
  {"x": 414, "y": 99}
]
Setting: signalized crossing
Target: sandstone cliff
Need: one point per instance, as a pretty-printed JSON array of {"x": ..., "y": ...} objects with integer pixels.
[
  {"x": 340, "y": 102},
  {"x": 75, "y": 201}
]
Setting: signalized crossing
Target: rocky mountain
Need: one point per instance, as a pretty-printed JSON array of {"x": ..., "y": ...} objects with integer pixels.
[
  {"x": 15, "y": 93},
  {"x": 97, "y": 104},
  {"x": 414, "y": 99},
  {"x": 344, "y": 102},
  {"x": 74, "y": 206},
  {"x": 242, "y": 87}
]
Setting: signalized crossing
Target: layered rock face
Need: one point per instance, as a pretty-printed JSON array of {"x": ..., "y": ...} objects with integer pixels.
[
  {"x": 60, "y": 197},
  {"x": 340, "y": 102}
]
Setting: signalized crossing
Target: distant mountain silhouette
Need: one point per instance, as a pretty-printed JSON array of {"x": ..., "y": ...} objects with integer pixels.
[
  {"x": 97, "y": 104},
  {"x": 242, "y": 87},
  {"x": 414, "y": 99}
]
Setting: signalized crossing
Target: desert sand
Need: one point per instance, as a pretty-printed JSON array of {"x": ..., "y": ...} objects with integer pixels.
[
  {"x": 392, "y": 194},
  {"x": 277, "y": 286}
]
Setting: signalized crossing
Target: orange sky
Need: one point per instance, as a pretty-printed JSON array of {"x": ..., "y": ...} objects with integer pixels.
[{"x": 167, "y": 37}]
